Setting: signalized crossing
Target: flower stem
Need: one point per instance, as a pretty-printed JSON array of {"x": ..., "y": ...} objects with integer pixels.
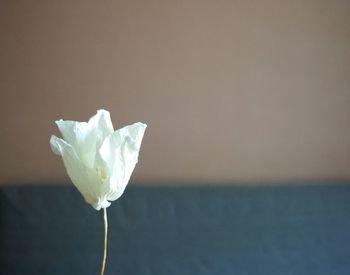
[{"x": 105, "y": 241}]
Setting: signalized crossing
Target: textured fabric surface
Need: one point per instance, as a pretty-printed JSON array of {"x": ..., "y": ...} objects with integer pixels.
[{"x": 178, "y": 230}]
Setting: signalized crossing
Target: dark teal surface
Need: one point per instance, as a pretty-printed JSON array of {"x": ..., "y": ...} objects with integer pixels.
[{"x": 179, "y": 230}]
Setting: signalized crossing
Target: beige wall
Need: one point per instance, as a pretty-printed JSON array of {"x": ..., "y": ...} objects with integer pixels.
[{"x": 231, "y": 90}]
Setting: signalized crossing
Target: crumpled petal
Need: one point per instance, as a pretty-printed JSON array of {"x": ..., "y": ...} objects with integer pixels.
[
  {"x": 102, "y": 124},
  {"x": 87, "y": 137},
  {"x": 120, "y": 152},
  {"x": 84, "y": 178}
]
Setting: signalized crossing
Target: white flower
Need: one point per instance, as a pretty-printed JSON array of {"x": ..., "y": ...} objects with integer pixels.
[{"x": 98, "y": 159}]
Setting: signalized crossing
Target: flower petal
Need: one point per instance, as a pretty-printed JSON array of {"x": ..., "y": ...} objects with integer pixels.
[
  {"x": 84, "y": 178},
  {"x": 119, "y": 152},
  {"x": 102, "y": 123},
  {"x": 86, "y": 137}
]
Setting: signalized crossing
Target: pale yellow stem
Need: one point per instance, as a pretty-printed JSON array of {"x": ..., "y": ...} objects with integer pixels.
[{"x": 105, "y": 241}]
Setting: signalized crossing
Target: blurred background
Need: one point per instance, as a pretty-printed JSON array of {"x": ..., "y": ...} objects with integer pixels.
[
  {"x": 245, "y": 164},
  {"x": 232, "y": 91}
]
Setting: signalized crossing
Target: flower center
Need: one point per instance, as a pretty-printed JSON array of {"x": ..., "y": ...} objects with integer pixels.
[{"x": 101, "y": 173}]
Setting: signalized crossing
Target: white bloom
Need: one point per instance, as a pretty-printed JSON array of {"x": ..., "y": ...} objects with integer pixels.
[{"x": 98, "y": 159}]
